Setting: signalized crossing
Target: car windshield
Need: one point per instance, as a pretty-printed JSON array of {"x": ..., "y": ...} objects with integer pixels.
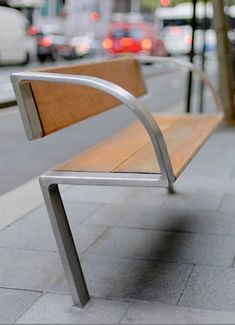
[{"x": 135, "y": 33}]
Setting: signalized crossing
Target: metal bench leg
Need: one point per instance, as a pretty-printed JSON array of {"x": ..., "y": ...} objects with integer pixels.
[
  {"x": 171, "y": 189},
  {"x": 65, "y": 243}
]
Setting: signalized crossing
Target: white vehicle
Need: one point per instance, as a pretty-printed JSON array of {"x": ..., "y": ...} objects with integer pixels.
[
  {"x": 14, "y": 48},
  {"x": 176, "y": 30}
]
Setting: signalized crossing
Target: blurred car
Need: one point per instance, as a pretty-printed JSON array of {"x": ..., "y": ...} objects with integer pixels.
[
  {"x": 133, "y": 37},
  {"x": 83, "y": 45},
  {"x": 14, "y": 39},
  {"x": 54, "y": 46},
  {"x": 178, "y": 40}
]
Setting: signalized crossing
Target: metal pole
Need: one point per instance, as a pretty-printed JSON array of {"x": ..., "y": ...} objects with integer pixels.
[
  {"x": 204, "y": 27},
  {"x": 191, "y": 56}
]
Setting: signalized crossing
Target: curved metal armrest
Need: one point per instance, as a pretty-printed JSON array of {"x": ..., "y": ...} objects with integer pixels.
[
  {"x": 190, "y": 67},
  {"x": 120, "y": 93}
]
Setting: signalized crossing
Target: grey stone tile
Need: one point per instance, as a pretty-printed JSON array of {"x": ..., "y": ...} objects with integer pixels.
[
  {"x": 99, "y": 194},
  {"x": 189, "y": 182},
  {"x": 108, "y": 215},
  {"x": 213, "y": 159},
  {"x": 135, "y": 279},
  {"x": 175, "y": 220},
  {"x": 158, "y": 313},
  {"x": 80, "y": 211},
  {"x": 210, "y": 288},
  {"x": 228, "y": 204},
  {"x": 233, "y": 174},
  {"x": 57, "y": 309},
  {"x": 13, "y": 303},
  {"x": 202, "y": 168},
  {"x": 29, "y": 269},
  {"x": 132, "y": 279},
  {"x": 167, "y": 246},
  {"x": 34, "y": 232},
  {"x": 195, "y": 198},
  {"x": 220, "y": 184},
  {"x": 150, "y": 196}
]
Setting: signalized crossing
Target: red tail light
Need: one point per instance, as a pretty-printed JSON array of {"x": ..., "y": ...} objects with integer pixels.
[
  {"x": 188, "y": 40},
  {"x": 95, "y": 16},
  {"x": 32, "y": 30},
  {"x": 146, "y": 44},
  {"x": 45, "y": 41},
  {"x": 107, "y": 44},
  {"x": 176, "y": 30},
  {"x": 126, "y": 41}
]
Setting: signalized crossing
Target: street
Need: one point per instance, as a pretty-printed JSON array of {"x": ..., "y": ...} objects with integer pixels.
[{"x": 22, "y": 160}]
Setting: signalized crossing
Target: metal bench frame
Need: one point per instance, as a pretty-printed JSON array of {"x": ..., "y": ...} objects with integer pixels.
[{"x": 49, "y": 181}]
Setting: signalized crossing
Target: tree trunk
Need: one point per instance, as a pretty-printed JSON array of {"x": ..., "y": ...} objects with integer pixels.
[{"x": 225, "y": 62}]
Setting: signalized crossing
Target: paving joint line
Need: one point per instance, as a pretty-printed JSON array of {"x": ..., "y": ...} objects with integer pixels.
[
  {"x": 185, "y": 285},
  {"x": 25, "y": 311},
  {"x": 228, "y": 266},
  {"x": 21, "y": 289}
]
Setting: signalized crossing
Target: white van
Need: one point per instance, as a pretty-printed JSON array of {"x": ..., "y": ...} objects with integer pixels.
[
  {"x": 176, "y": 30},
  {"x": 14, "y": 46}
]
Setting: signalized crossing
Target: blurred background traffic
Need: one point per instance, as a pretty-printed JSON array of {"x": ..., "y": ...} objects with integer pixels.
[{"x": 52, "y": 30}]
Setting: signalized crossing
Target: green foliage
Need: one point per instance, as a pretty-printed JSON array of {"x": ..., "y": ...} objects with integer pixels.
[{"x": 153, "y": 4}]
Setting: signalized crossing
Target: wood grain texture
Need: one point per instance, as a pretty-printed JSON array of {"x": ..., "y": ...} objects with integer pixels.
[
  {"x": 130, "y": 150},
  {"x": 61, "y": 105}
]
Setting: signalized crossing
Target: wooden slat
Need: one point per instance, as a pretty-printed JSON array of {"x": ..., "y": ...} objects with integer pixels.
[
  {"x": 131, "y": 150},
  {"x": 61, "y": 105},
  {"x": 112, "y": 152},
  {"x": 183, "y": 138}
]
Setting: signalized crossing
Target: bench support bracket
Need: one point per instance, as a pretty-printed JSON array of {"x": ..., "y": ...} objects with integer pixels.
[{"x": 65, "y": 243}]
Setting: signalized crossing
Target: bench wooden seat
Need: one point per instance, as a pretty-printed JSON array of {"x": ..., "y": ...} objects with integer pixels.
[
  {"x": 131, "y": 151},
  {"x": 152, "y": 152}
]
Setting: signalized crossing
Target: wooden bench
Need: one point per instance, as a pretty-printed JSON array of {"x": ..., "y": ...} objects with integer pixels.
[{"x": 150, "y": 153}]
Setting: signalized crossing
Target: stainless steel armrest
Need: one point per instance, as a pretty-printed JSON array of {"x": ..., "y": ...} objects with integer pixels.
[{"x": 124, "y": 96}]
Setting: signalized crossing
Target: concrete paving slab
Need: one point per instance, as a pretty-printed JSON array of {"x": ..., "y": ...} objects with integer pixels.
[
  {"x": 108, "y": 215},
  {"x": 130, "y": 279},
  {"x": 18, "y": 202},
  {"x": 13, "y": 303},
  {"x": 220, "y": 184},
  {"x": 158, "y": 313},
  {"x": 135, "y": 280},
  {"x": 100, "y": 194},
  {"x": 193, "y": 198},
  {"x": 210, "y": 288},
  {"x": 57, "y": 309},
  {"x": 167, "y": 246},
  {"x": 174, "y": 220},
  {"x": 227, "y": 204},
  {"x": 80, "y": 211},
  {"x": 34, "y": 231},
  {"x": 29, "y": 270},
  {"x": 203, "y": 168},
  {"x": 215, "y": 158},
  {"x": 154, "y": 196},
  {"x": 233, "y": 174}
]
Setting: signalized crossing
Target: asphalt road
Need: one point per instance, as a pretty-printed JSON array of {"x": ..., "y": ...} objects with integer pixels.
[{"x": 22, "y": 160}]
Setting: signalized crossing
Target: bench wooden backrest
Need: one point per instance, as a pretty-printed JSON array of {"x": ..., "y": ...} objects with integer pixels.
[{"x": 60, "y": 105}]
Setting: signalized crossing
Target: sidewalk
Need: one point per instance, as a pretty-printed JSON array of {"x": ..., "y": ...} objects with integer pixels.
[{"x": 147, "y": 257}]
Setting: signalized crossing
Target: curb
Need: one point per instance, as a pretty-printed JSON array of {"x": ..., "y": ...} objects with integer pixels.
[{"x": 8, "y": 103}]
